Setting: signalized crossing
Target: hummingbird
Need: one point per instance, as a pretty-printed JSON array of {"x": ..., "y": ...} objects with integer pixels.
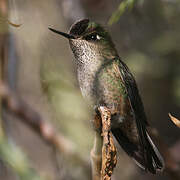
[{"x": 105, "y": 80}]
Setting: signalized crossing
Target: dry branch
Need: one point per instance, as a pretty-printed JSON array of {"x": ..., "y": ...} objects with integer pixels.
[
  {"x": 109, "y": 158},
  {"x": 103, "y": 154},
  {"x": 175, "y": 120}
]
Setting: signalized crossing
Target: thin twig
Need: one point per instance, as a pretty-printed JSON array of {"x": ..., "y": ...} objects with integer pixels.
[
  {"x": 175, "y": 120},
  {"x": 13, "y": 24}
]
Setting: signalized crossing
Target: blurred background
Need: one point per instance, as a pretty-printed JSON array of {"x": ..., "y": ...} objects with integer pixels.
[{"x": 38, "y": 67}]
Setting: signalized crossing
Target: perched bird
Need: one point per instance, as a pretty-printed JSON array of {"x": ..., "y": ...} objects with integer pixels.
[{"x": 105, "y": 80}]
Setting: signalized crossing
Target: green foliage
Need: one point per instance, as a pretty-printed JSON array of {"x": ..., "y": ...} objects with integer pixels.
[
  {"x": 15, "y": 158},
  {"x": 123, "y": 6}
]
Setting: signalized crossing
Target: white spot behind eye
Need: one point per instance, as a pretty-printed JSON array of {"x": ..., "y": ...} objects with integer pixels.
[{"x": 98, "y": 37}]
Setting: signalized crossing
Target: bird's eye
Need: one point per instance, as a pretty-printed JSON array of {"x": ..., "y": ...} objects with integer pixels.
[{"x": 92, "y": 37}]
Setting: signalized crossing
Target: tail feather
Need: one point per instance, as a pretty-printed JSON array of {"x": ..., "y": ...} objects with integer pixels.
[
  {"x": 145, "y": 155},
  {"x": 157, "y": 158}
]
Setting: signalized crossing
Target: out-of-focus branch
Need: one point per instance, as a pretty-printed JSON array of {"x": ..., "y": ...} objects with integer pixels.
[
  {"x": 172, "y": 167},
  {"x": 175, "y": 120},
  {"x": 175, "y": 149},
  {"x": 33, "y": 119},
  {"x": 96, "y": 157},
  {"x": 96, "y": 152},
  {"x": 18, "y": 107},
  {"x": 14, "y": 157},
  {"x": 9, "y": 153},
  {"x": 103, "y": 154},
  {"x": 3, "y": 38}
]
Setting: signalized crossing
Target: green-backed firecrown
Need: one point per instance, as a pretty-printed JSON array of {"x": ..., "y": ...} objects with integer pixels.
[{"x": 105, "y": 80}]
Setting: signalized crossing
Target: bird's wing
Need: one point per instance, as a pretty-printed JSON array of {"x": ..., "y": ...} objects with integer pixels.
[
  {"x": 150, "y": 157},
  {"x": 133, "y": 93}
]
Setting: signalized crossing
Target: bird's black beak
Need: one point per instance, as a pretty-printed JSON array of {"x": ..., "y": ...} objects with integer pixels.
[{"x": 68, "y": 36}]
